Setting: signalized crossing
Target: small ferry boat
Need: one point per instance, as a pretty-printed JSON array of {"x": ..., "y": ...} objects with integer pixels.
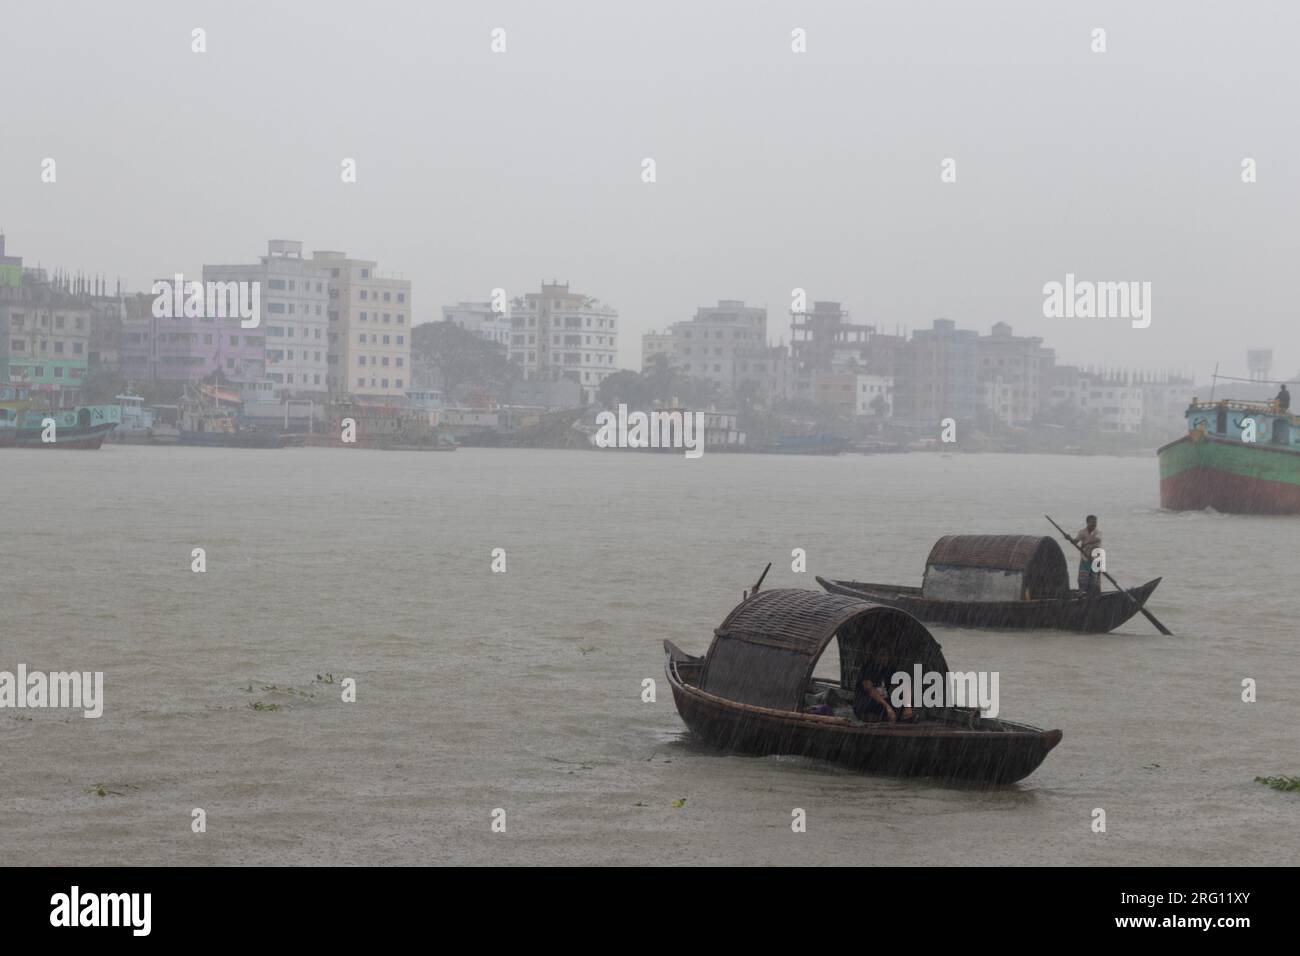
[
  {"x": 752, "y": 693},
  {"x": 1237, "y": 457},
  {"x": 1001, "y": 581},
  {"x": 23, "y": 424}
]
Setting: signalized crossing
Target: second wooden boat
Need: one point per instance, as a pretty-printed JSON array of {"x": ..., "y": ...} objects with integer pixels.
[{"x": 1002, "y": 582}]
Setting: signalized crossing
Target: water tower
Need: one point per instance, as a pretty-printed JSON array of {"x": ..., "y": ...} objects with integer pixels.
[{"x": 1260, "y": 363}]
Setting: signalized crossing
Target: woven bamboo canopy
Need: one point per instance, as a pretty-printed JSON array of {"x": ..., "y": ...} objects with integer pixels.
[
  {"x": 1037, "y": 562},
  {"x": 765, "y": 652}
]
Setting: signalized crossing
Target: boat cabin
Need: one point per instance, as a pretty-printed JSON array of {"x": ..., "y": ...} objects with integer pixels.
[
  {"x": 765, "y": 652},
  {"x": 1229, "y": 420},
  {"x": 995, "y": 567}
]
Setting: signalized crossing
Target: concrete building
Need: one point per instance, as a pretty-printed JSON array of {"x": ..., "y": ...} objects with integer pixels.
[
  {"x": 937, "y": 374},
  {"x": 1109, "y": 399},
  {"x": 656, "y": 343},
  {"x": 478, "y": 317},
  {"x": 369, "y": 318},
  {"x": 559, "y": 334},
  {"x": 824, "y": 338},
  {"x": 875, "y": 395},
  {"x": 45, "y": 334},
  {"x": 1011, "y": 368},
  {"x": 293, "y": 329},
  {"x": 725, "y": 345},
  {"x": 1164, "y": 403}
]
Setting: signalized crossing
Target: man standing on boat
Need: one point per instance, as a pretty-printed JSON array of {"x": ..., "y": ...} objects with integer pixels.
[
  {"x": 1283, "y": 398},
  {"x": 1089, "y": 539}
]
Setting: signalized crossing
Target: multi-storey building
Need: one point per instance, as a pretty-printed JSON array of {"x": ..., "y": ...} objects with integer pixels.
[
  {"x": 653, "y": 344},
  {"x": 45, "y": 331},
  {"x": 290, "y": 346},
  {"x": 479, "y": 318},
  {"x": 875, "y": 395},
  {"x": 825, "y": 338},
  {"x": 936, "y": 375},
  {"x": 1110, "y": 399},
  {"x": 1011, "y": 368},
  {"x": 558, "y": 334},
  {"x": 725, "y": 345},
  {"x": 369, "y": 328}
]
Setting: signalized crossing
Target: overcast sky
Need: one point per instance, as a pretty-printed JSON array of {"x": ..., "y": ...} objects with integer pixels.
[{"x": 775, "y": 170}]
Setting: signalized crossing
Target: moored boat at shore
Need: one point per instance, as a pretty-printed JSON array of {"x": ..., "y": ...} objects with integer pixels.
[
  {"x": 1000, "y": 582},
  {"x": 1237, "y": 457},
  {"x": 751, "y": 692},
  {"x": 23, "y": 425}
]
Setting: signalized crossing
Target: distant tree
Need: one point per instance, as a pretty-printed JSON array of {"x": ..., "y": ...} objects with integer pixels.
[
  {"x": 627, "y": 388},
  {"x": 453, "y": 357}
]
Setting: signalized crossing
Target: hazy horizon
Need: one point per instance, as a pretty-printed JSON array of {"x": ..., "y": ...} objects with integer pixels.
[{"x": 775, "y": 170}]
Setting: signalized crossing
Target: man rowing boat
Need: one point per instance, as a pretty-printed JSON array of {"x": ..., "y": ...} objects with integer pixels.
[{"x": 1089, "y": 539}]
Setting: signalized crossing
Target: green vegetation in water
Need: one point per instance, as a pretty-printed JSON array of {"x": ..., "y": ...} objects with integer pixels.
[
  {"x": 1280, "y": 783},
  {"x": 678, "y": 804},
  {"x": 102, "y": 790},
  {"x": 260, "y": 705},
  {"x": 327, "y": 679}
]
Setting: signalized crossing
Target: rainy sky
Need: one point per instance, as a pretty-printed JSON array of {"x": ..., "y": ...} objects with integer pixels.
[{"x": 773, "y": 169}]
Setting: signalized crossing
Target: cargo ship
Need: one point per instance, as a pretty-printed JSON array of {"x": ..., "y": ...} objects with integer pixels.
[{"x": 1237, "y": 457}]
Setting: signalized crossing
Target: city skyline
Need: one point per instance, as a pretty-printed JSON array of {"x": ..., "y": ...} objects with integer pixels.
[{"x": 775, "y": 170}]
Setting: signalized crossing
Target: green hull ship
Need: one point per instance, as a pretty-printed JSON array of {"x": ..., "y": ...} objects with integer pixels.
[
  {"x": 77, "y": 426},
  {"x": 1237, "y": 457}
]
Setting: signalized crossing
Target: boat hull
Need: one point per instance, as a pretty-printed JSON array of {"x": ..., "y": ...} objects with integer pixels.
[
  {"x": 1101, "y": 613},
  {"x": 1229, "y": 476},
  {"x": 946, "y": 753},
  {"x": 235, "y": 440},
  {"x": 75, "y": 438}
]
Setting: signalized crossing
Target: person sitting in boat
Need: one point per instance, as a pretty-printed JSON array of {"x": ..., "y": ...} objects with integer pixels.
[
  {"x": 1089, "y": 539},
  {"x": 1283, "y": 398},
  {"x": 871, "y": 696}
]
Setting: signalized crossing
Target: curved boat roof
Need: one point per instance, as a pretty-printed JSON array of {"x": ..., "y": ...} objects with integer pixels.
[
  {"x": 765, "y": 651},
  {"x": 1038, "y": 561}
]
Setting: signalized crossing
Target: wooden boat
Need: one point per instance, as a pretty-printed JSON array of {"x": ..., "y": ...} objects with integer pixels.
[
  {"x": 1004, "y": 582},
  {"x": 749, "y": 693}
]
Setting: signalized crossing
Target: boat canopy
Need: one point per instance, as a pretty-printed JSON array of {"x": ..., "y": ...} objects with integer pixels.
[
  {"x": 995, "y": 567},
  {"x": 765, "y": 651}
]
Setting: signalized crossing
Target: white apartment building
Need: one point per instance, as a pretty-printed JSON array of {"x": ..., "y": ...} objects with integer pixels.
[
  {"x": 1010, "y": 370},
  {"x": 294, "y": 298},
  {"x": 1116, "y": 405},
  {"x": 875, "y": 395},
  {"x": 558, "y": 334},
  {"x": 724, "y": 344},
  {"x": 655, "y": 343},
  {"x": 369, "y": 328},
  {"x": 478, "y": 317}
]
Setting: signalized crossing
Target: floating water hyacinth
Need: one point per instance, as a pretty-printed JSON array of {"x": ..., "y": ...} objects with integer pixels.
[{"x": 1280, "y": 783}]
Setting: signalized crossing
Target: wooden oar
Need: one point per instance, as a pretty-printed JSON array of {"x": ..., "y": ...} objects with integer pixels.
[
  {"x": 754, "y": 590},
  {"x": 1149, "y": 616}
]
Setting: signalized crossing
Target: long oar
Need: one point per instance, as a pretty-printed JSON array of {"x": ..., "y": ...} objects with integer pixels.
[
  {"x": 749, "y": 594},
  {"x": 1149, "y": 616}
]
